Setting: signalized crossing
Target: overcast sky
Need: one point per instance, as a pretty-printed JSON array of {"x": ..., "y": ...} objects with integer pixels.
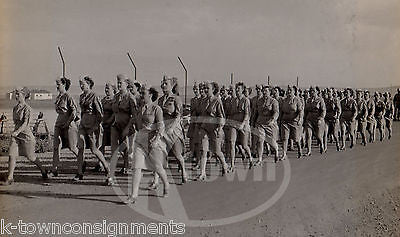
[{"x": 330, "y": 43}]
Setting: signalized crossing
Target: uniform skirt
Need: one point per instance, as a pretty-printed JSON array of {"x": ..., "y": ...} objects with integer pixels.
[
  {"x": 211, "y": 139},
  {"x": 291, "y": 130},
  {"x": 267, "y": 132},
  {"x": 318, "y": 126},
  {"x": 380, "y": 123},
  {"x": 23, "y": 146},
  {"x": 68, "y": 135},
  {"x": 148, "y": 156}
]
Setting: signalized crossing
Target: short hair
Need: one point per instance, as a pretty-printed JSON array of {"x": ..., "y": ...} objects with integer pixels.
[
  {"x": 112, "y": 86},
  {"x": 25, "y": 91},
  {"x": 66, "y": 82},
  {"x": 154, "y": 93},
  {"x": 89, "y": 81},
  {"x": 240, "y": 84},
  {"x": 215, "y": 87}
]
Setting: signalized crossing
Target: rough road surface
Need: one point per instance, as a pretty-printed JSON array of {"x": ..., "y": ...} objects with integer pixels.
[{"x": 350, "y": 193}]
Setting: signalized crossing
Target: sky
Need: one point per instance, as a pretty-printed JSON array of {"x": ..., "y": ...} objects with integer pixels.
[{"x": 328, "y": 43}]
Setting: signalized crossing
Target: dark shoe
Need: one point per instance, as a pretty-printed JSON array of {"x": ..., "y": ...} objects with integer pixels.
[
  {"x": 8, "y": 182},
  {"x": 98, "y": 168},
  {"x": 257, "y": 163},
  {"x": 123, "y": 171},
  {"x": 54, "y": 173},
  {"x": 78, "y": 177},
  {"x": 154, "y": 186},
  {"x": 201, "y": 178},
  {"x": 45, "y": 174},
  {"x": 251, "y": 164}
]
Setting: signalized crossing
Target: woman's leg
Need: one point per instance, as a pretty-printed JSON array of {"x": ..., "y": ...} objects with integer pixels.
[
  {"x": 80, "y": 157},
  {"x": 137, "y": 177},
  {"x": 12, "y": 159},
  {"x": 56, "y": 149},
  {"x": 177, "y": 149},
  {"x": 308, "y": 140},
  {"x": 260, "y": 147},
  {"x": 203, "y": 163},
  {"x": 285, "y": 139},
  {"x": 100, "y": 156},
  {"x": 272, "y": 142}
]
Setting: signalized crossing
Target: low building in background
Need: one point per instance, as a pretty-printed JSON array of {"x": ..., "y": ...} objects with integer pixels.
[{"x": 36, "y": 94}]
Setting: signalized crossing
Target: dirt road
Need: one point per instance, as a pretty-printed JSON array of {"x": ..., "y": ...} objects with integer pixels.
[{"x": 350, "y": 193}]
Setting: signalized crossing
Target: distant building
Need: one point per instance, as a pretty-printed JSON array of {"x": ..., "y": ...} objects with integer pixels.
[{"x": 36, "y": 94}]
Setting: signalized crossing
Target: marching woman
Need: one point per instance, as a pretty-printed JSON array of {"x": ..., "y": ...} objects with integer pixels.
[
  {"x": 65, "y": 128},
  {"x": 389, "y": 112},
  {"x": 108, "y": 118},
  {"x": 192, "y": 131},
  {"x": 212, "y": 122},
  {"x": 22, "y": 139},
  {"x": 315, "y": 111},
  {"x": 172, "y": 108},
  {"x": 361, "y": 116},
  {"x": 125, "y": 108},
  {"x": 291, "y": 121},
  {"x": 371, "y": 123},
  {"x": 202, "y": 105},
  {"x": 149, "y": 148},
  {"x": 333, "y": 111},
  {"x": 239, "y": 132},
  {"x": 266, "y": 121},
  {"x": 230, "y": 107},
  {"x": 348, "y": 118},
  {"x": 90, "y": 126},
  {"x": 253, "y": 105},
  {"x": 380, "y": 110}
]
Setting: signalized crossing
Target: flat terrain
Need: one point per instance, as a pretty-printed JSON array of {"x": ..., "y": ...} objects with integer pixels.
[{"x": 350, "y": 193}]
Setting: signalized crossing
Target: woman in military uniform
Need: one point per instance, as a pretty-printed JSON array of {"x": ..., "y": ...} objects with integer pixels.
[
  {"x": 371, "y": 123},
  {"x": 362, "y": 114},
  {"x": 124, "y": 108},
  {"x": 108, "y": 119},
  {"x": 191, "y": 133},
  {"x": 348, "y": 118},
  {"x": 380, "y": 110},
  {"x": 315, "y": 111},
  {"x": 266, "y": 122},
  {"x": 172, "y": 108},
  {"x": 65, "y": 128},
  {"x": 22, "y": 139},
  {"x": 333, "y": 111},
  {"x": 90, "y": 126},
  {"x": 239, "y": 132},
  {"x": 291, "y": 116},
  {"x": 149, "y": 148},
  {"x": 389, "y": 112},
  {"x": 212, "y": 122}
]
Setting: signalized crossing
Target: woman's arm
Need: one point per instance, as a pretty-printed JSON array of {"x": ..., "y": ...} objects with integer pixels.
[{"x": 25, "y": 122}]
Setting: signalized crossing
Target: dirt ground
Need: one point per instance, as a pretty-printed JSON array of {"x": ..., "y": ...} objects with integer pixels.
[{"x": 350, "y": 193}]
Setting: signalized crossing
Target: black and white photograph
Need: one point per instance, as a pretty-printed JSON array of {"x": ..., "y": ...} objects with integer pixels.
[{"x": 199, "y": 118}]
